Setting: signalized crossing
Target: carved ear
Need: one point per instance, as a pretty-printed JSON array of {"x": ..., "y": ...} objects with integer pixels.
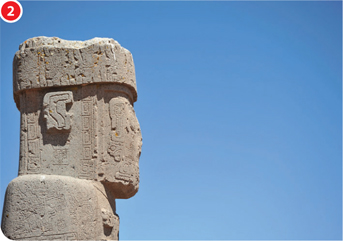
[{"x": 55, "y": 110}]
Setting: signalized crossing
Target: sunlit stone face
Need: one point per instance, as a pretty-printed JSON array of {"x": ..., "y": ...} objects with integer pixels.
[{"x": 80, "y": 140}]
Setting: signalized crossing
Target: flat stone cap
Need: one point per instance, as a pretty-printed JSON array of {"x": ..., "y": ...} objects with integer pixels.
[{"x": 47, "y": 62}]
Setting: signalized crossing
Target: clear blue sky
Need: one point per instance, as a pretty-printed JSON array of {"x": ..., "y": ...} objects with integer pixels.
[{"x": 240, "y": 106}]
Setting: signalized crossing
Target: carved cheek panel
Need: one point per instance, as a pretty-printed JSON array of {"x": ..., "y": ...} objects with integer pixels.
[
  {"x": 123, "y": 146},
  {"x": 55, "y": 110},
  {"x": 116, "y": 150},
  {"x": 117, "y": 110}
]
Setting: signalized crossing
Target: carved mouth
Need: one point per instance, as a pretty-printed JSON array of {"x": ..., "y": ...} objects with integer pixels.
[{"x": 123, "y": 177}]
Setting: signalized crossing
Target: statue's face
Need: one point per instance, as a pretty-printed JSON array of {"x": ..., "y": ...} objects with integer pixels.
[{"x": 88, "y": 132}]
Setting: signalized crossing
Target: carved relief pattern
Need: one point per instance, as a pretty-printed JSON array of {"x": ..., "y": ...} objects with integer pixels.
[
  {"x": 33, "y": 143},
  {"x": 38, "y": 208},
  {"x": 52, "y": 210},
  {"x": 122, "y": 147},
  {"x": 101, "y": 61},
  {"x": 84, "y": 208},
  {"x": 87, "y": 164},
  {"x": 55, "y": 112},
  {"x": 96, "y": 138},
  {"x": 60, "y": 155},
  {"x": 23, "y": 137},
  {"x": 116, "y": 113},
  {"x": 116, "y": 148}
]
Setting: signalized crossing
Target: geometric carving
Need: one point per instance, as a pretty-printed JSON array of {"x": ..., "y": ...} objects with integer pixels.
[
  {"x": 33, "y": 164},
  {"x": 60, "y": 156},
  {"x": 55, "y": 208},
  {"x": 86, "y": 122},
  {"x": 32, "y": 131},
  {"x": 85, "y": 172},
  {"x": 87, "y": 153},
  {"x": 55, "y": 112},
  {"x": 86, "y": 137},
  {"x": 33, "y": 148},
  {"x": 116, "y": 150},
  {"x": 87, "y": 165},
  {"x": 119, "y": 168},
  {"x": 125, "y": 172},
  {"x": 116, "y": 113},
  {"x": 86, "y": 107},
  {"x": 112, "y": 64},
  {"x": 79, "y": 164}
]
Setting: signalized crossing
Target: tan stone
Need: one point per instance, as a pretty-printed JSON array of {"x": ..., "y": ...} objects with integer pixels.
[
  {"x": 85, "y": 129},
  {"x": 44, "y": 62},
  {"x": 50, "y": 207},
  {"x": 88, "y": 132},
  {"x": 78, "y": 130}
]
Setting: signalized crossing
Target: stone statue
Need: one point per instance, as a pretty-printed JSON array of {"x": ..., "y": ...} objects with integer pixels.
[{"x": 80, "y": 140}]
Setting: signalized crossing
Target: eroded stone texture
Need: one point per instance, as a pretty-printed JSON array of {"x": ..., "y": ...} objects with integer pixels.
[
  {"x": 78, "y": 122},
  {"x": 84, "y": 128},
  {"x": 88, "y": 132},
  {"x": 47, "y": 207},
  {"x": 55, "y": 111},
  {"x": 44, "y": 62}
]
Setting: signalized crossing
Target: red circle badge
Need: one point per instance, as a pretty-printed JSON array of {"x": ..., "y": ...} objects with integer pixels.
[{"x": 11, "y": 11}]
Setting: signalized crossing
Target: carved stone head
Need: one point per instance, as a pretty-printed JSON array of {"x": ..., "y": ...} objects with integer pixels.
[{"x": 77, "y": 118}]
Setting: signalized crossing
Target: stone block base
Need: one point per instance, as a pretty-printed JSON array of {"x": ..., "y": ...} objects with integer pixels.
[{"x": 50, "y": 207}]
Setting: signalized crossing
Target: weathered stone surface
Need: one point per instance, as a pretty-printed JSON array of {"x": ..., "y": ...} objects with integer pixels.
[
  {"x": 47, "y": 207},
  {"x": 88, "y": 131},
  {"x": 80, "y": 140},
  {"x": 44, "y": 62}
]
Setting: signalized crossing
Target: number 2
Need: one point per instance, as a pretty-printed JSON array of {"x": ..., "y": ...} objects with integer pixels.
[{"x": 11, "y": 12}]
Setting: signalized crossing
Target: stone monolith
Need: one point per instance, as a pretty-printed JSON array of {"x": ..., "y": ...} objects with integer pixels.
[{"x": 80, "y": 140}]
